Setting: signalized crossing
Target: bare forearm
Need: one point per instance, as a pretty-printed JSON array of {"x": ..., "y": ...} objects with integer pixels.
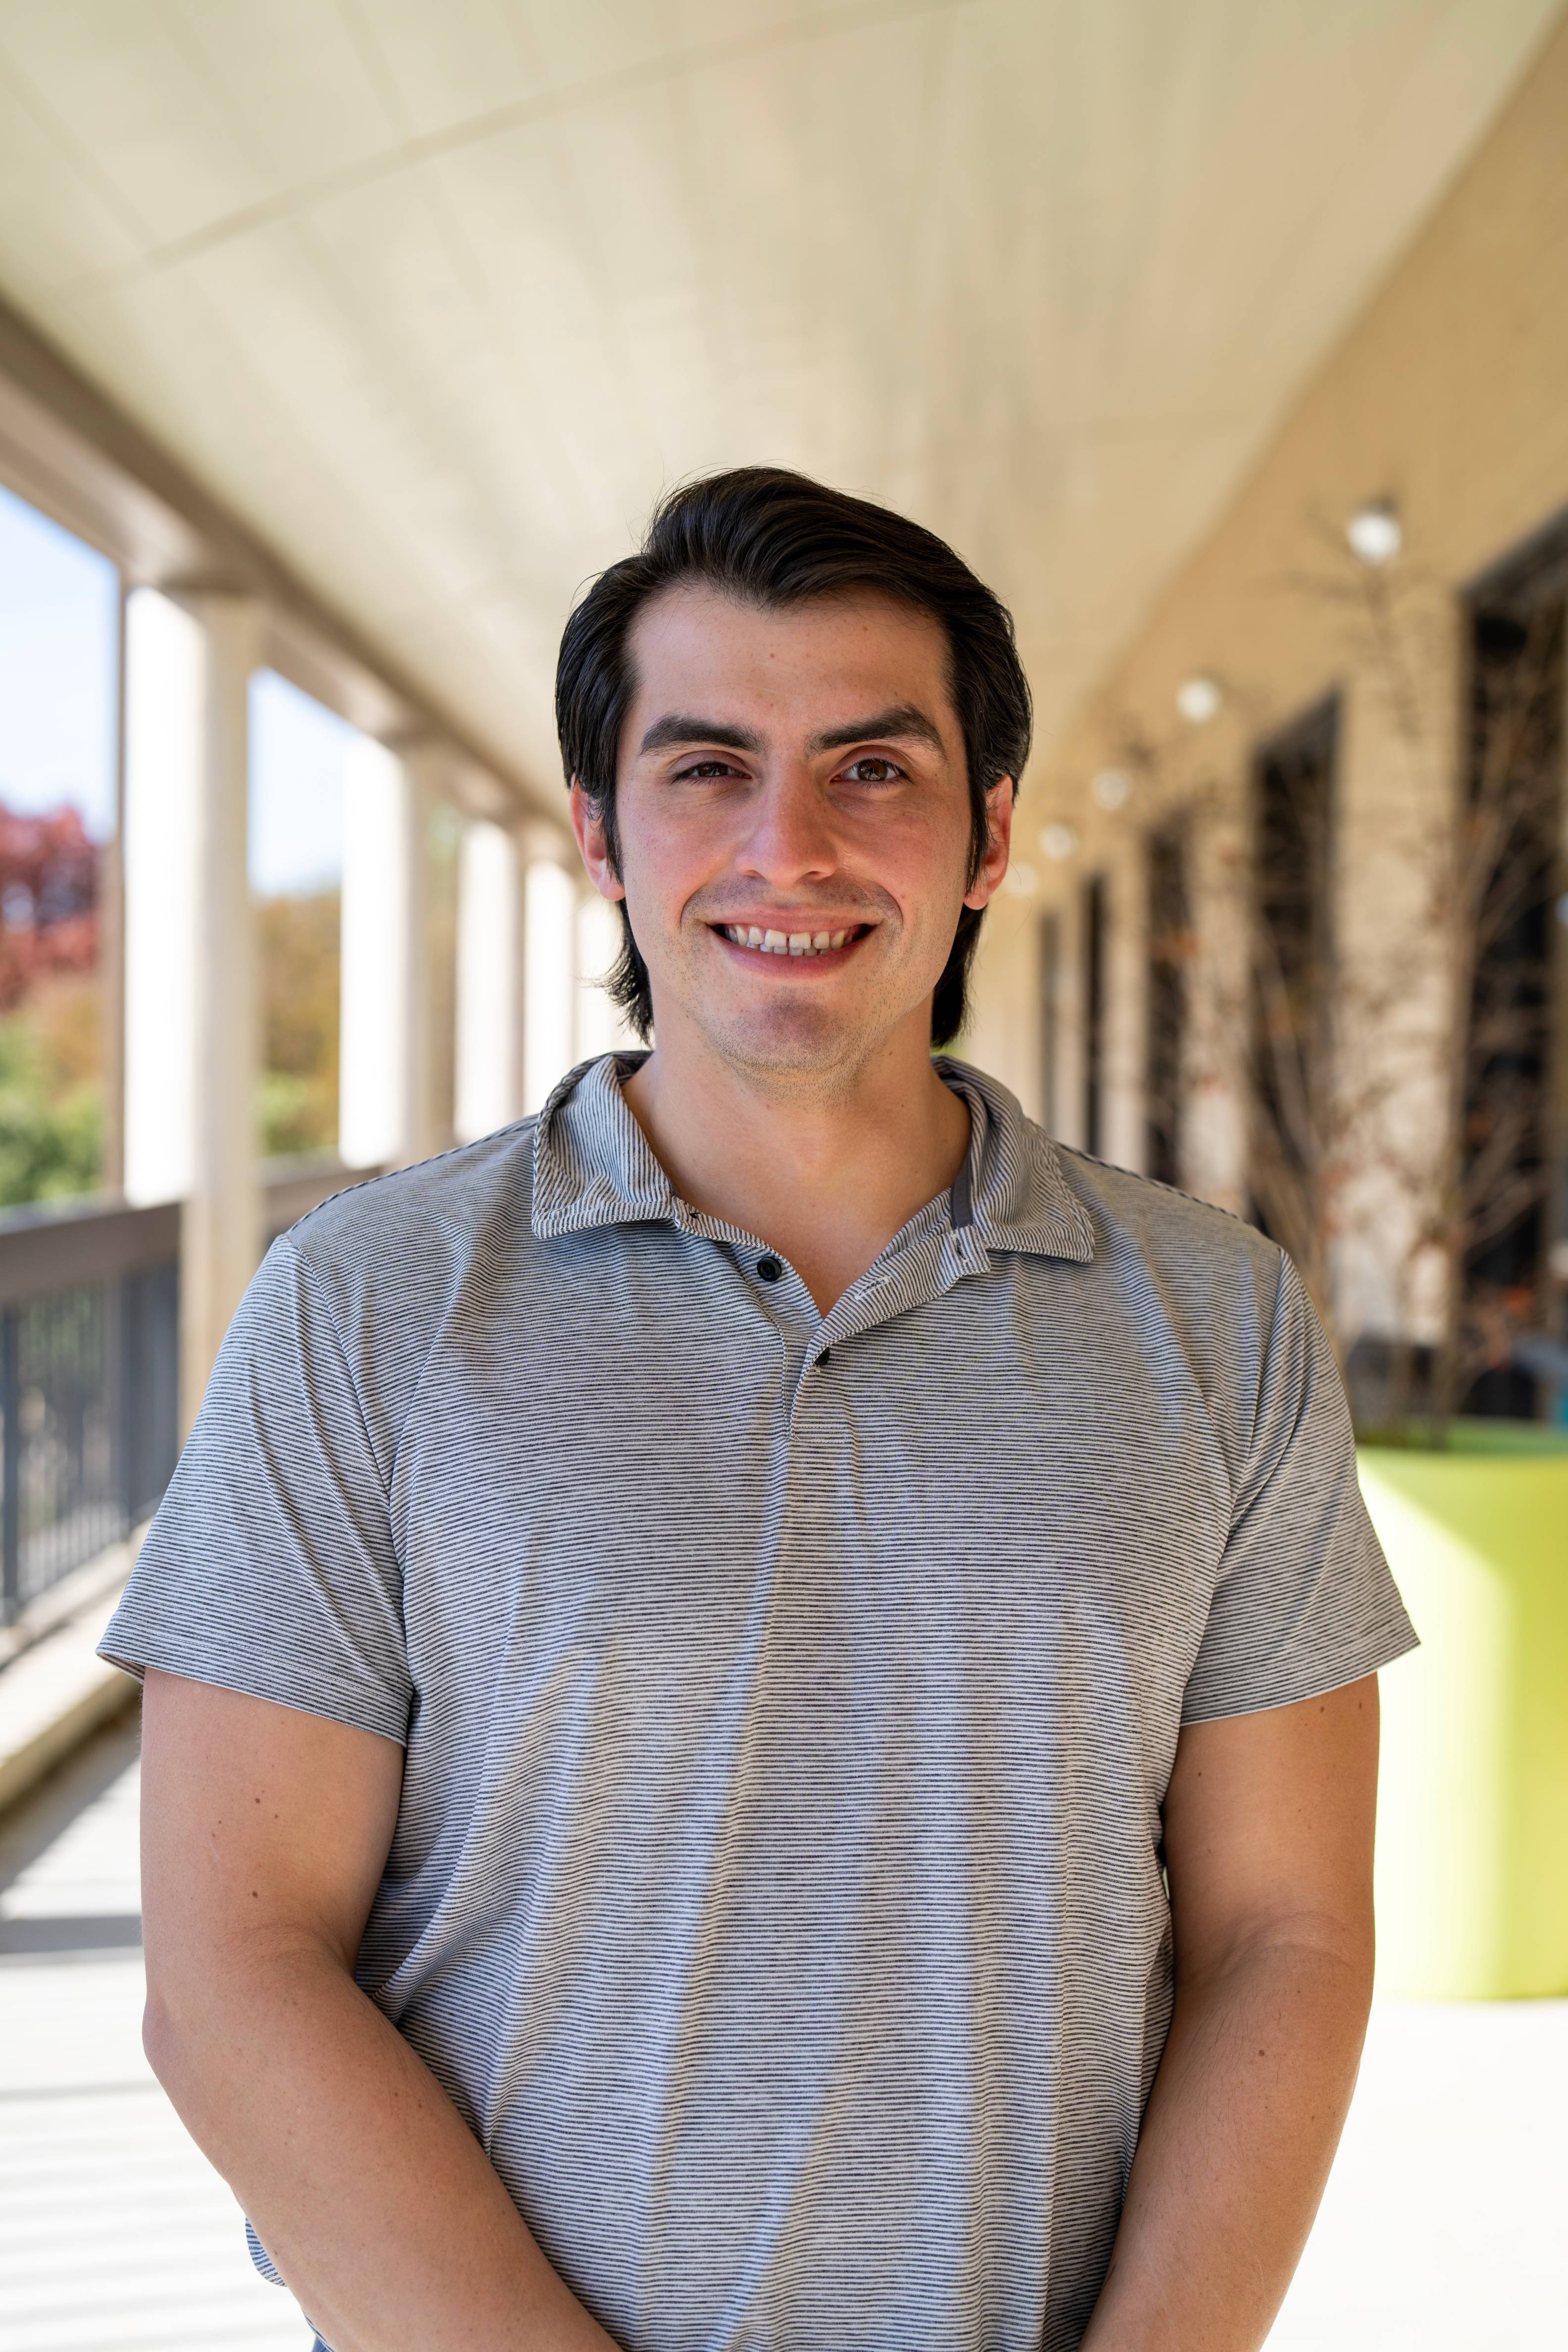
[
  {"x": 374, "y": 2198},
  {"x": 1237, "y": 2139}
]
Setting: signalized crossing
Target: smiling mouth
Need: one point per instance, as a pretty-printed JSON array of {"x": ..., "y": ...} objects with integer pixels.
[{"x": 805, "y": 944}]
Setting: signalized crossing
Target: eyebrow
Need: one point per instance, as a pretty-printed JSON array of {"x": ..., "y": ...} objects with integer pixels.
[
  {"x": 901, "y": 721},
  {"x": 675, "y": 727}
]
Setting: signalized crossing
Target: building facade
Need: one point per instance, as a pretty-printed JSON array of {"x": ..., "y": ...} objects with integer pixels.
[{"x": 1287, "y": 922}]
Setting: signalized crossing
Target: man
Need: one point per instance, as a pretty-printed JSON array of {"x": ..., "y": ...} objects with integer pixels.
[{"x": 691, "y": 1634}]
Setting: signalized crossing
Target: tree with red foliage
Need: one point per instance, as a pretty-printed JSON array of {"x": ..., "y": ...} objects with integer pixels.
[{"x": 48, "y": 898}]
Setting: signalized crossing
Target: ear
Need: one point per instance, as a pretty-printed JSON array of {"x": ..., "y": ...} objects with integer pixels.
[
  {"x": 998, "y": 844},
  {"x": 588, "y": 824}
]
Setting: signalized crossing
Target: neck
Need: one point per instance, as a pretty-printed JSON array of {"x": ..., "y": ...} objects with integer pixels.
[{"x": 824, "y": 1172}]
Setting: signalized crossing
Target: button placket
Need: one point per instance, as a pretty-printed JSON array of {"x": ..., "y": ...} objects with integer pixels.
[{"x": 780, "y": 1302}]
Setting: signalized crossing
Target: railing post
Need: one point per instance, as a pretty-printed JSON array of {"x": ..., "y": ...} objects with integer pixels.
[{"x": 10, "y": 1466}]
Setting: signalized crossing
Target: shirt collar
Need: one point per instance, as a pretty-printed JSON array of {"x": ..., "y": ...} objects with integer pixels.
[{"x": 593, "y": 1166}]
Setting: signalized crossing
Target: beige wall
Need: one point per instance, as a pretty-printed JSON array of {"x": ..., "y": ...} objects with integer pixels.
[{"x": 1450, "y": 395}]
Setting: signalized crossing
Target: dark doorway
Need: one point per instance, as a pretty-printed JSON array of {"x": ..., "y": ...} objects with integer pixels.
[
  {"x": 1293, "y": 797},
  {"x": 1170, "y": 952},
  {"x": 1095, "y": 924},
  {"x": 1510, "y": 1142}
]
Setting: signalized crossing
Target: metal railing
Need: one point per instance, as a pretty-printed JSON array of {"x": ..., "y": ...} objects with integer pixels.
[
  {"x": 89, "y": 1370},
  {"x": 88, "y": 1384}
]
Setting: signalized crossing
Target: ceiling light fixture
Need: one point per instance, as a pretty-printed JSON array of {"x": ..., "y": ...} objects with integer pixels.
[
  {"x": 1375, "y": 531},
  {"x": 1112, "y": 789},
  {"x": 1198, "y": 698},
  {"x": 1020, "y": 881},
  {"x": 1058, "y": 842}
]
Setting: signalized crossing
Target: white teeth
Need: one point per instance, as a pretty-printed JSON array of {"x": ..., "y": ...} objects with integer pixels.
[{"x": 795, "y": 943}]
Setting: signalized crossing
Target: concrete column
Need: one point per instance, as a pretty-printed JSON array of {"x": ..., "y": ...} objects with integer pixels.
[
  {"x": 191, "y": 1022},
  {"x": 601, "y": 1027},
  {"x": 1071, "y": 1066},
  {"x": 1215, "y": 1119},
  {"x": 1396, "y": 951},
  {"x": 519, "y": 950},
  {"x": 1126, "y": 992},
  {"x": 490, "y": 1042},
  {"x": 550, "y": 976},
  {"x": 111, "y": 899},
  {"x": 385, "y": 1116},
  {"x": 1003, "y": 1034}
]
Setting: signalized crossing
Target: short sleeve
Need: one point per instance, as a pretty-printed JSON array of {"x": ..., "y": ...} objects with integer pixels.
[
  {"x": 270, "y": 1567},
  {"x": 1304, "y": 1600}
]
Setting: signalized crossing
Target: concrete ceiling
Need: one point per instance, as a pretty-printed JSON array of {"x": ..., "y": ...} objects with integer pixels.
[{"x": 435, "y": 295}]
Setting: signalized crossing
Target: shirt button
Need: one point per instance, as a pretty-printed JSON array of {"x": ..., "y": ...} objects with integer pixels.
[{"x": 769, "y": 1269}]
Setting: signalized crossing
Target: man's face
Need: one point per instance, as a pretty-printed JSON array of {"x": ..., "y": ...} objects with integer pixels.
[{"x": 795, "y": 825}]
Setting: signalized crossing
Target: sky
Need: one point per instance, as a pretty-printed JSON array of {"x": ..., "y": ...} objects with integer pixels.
[
  {"x": 297, "y": 754},
  {"x": 58, "y": 631},
  {"x": 58, "y": 658}
]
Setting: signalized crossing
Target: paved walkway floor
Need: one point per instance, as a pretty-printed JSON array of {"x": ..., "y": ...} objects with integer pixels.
[
  {"x": 1442, "y": 2231},
  {"x": 114, "y": 2229}
]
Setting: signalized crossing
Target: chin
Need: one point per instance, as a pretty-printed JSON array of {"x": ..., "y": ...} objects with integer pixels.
[{"x": 795, "y": 1039}]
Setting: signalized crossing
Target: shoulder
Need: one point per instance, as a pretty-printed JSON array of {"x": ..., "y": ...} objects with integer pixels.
[
  {"x": 1185, "y": 1273},
  {"x": 370, "y": 1283},
  {"x": 1140, "y": 1213},
  {"x": 453, "y": 1201},
  {"x": 390, "y": 1258}
]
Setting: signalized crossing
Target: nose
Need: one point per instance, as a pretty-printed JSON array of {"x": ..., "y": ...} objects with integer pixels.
[{"x": 791, "y": 838}]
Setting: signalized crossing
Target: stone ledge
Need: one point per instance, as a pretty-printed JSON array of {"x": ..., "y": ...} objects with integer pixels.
[
  {"x": 58, "y": 1690},
  {"x": 106, "y": 1571}
]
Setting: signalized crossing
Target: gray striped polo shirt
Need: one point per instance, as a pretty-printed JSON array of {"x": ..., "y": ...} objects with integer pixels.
[{"x": 788, "y": 1698}]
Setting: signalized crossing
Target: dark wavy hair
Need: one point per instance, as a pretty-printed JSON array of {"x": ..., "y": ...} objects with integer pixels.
[{"x": 771, "y": 538}]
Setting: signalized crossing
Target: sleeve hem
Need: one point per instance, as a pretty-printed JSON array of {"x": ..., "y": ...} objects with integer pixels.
[
  {"x": 1380, "y": 1649},
  {"x": 361, "y": 1710}
]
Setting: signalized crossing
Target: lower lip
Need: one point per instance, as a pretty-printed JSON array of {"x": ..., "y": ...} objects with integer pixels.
[{"x": 790, "y": 966}]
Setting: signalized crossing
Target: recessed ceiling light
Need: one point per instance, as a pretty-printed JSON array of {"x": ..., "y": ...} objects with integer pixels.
[
  {"x": 1198, "y": 698},
  {"x": 1375, "y": 531},
  {"x": 1058, "y": 842},
  {"x": 1112, "y": 789}
]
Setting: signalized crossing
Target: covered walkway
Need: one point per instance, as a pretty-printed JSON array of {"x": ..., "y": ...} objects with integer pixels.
[
  {"x": 114, "y": 2230},
  {"x": 339, "y": 348},
  {"x": 1442, "y": 2231}
]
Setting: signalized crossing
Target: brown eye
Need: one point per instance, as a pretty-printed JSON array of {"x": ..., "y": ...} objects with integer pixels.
[{"x": 873, "y": 771}]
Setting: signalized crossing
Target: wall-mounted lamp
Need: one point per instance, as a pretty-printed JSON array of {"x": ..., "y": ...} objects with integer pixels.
[
  {"x": 1376, "y": 532},
  {"x": 1112, "y": 789},
  {"x": 1058, "y": 843},
  {"x": 1198, "y": 698}
]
